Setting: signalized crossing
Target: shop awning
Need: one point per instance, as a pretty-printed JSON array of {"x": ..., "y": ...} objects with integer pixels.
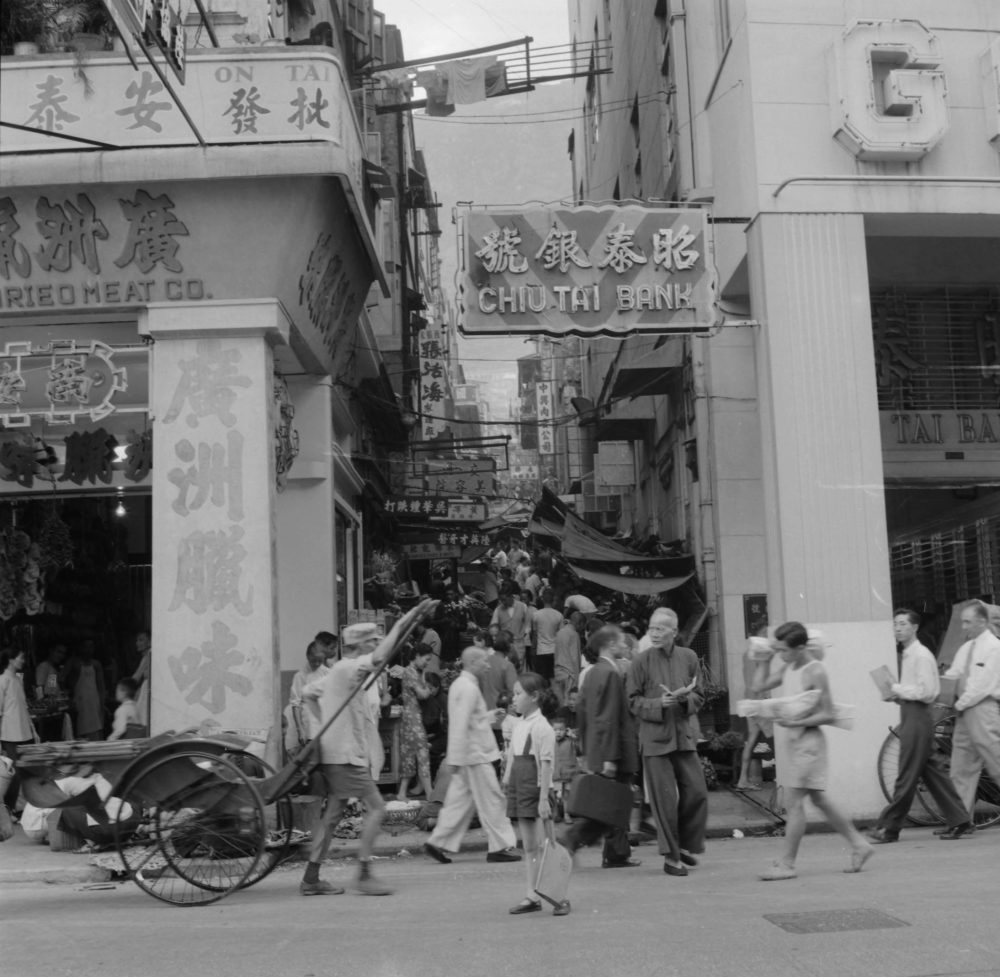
[
  {"x": 623, "y": 584},
  {"x": 647, "y": 371},
  {"x": 607, "y": 562}
]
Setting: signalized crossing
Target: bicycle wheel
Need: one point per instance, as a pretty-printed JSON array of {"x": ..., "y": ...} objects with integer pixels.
[
  {"x": 888, "y": 768},
  {"x": 986, "y": 810},
  {"x": 191, "y": 828}
]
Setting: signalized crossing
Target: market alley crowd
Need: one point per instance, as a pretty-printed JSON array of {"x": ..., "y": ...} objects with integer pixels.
[{"x": 535, "y": 706}]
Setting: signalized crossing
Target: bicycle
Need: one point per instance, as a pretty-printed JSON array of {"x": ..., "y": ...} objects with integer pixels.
[{"x": 924, "y": 811}]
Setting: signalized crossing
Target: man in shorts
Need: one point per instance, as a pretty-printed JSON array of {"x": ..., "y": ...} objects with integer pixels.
[
  {"x": 350, "y": 751},
  {"x": 806, "y": 775}
]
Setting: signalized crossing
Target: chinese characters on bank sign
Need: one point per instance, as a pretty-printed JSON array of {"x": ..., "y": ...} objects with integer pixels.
[{"x": 588, "y": 270}]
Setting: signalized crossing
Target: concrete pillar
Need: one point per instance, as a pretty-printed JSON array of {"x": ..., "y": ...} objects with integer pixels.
[
  {"x": 827, "y": 558},
  {"x": 214, "y": 596}
]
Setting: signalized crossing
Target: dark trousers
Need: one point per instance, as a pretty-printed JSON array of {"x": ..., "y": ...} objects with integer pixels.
[
  {"x": 679, "y": 799},
  {"x": 918, "y": 760},
  {"x": 583, "y": 832},
  {"x": 9, "y": 747}
]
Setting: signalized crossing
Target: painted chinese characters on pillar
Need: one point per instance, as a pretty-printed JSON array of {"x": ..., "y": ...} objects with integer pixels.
[
  {"x": 212, "y": 531},
  {"x": 588, "y": 270}
]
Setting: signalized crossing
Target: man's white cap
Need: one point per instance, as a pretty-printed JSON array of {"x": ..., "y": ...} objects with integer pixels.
[{"x": 354, "y": 634}]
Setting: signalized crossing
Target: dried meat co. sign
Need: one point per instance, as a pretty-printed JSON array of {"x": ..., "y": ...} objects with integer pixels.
[{"x": 588, "y": 270}]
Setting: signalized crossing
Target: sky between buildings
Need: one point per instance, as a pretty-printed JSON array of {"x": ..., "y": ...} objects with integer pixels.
[{"x": 506, "y": 150}]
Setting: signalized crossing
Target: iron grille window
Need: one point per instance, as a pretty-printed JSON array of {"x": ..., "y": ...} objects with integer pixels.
[
  {"x": 946, "y": 567},
  {"x": 937, "y": 347}
]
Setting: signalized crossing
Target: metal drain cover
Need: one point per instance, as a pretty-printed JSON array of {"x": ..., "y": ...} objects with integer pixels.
[{"x": 834, "y": 921}]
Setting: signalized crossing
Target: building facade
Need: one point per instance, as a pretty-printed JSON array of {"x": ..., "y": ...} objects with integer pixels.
[
  {"x": 831, "y": 450},
  {"x": 196, "y": 417}
]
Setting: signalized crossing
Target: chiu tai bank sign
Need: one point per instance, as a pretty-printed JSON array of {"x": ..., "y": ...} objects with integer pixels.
[{"x": 588, "y": 270}]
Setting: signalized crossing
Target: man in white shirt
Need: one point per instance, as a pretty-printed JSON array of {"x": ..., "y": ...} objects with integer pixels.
[
  {"x": 976, "y": 742},
  {"x": 916, "y": 690},
  {"x": 546, "y": 623},
  {"x": 511, "y": 615},
  {"x": 472, "y": 750}
]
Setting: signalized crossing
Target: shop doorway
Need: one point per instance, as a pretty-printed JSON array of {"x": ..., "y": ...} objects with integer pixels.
[{"x": 73, "y": 570}]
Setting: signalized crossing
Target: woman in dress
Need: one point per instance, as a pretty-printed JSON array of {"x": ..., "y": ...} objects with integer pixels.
[
  {"x": 86, "y": 685},
  {"x": 414, "y": 753}
]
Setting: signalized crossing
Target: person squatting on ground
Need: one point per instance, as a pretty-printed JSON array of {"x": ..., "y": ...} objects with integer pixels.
[
  {"x": 350, "y": 751},
  {"x": 806, "y": 774},
  {"x": 916, "y": 690},
  {"x": 606, "y": 733},
  {"x": 472, "y": 751},
  {"x": 528, "y": 780},
  {"x": 976, "y": 741},
  {"x": 663, "y": 691}
]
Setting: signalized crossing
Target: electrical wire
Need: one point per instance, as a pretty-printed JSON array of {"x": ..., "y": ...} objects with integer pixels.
[{"x": 565, "y": 115}]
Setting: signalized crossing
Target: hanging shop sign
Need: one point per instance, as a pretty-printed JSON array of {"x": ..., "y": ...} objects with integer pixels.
[
  {"x": 433, "y": 383},
  {"x": 433, "y": 508},
  {"x": 454, "y": 543},
  {"x": 546, "y": 432},
  {"x": 587, "y": 271},
  {"x": 154, "y": 22},
  {"x": 60, "y": 381}
]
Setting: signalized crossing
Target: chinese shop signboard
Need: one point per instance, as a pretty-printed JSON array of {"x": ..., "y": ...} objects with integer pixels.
[
  {"x": 433, "y": 383},
  {"x": 588, "y": 271},
  {"x": 231, "y": 98}
]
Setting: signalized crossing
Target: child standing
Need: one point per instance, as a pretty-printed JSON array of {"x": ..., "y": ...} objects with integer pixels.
[
  {"x": 127, "y": 713},
  {"x": 807, "y": 773},
  {"x": 566, "y": 765},
  {"x": 528, "y": 780}
]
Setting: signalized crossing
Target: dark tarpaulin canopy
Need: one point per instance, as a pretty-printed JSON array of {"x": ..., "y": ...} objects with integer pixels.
[
  {"x": 643, "y": 586},
  {"x": 602, "y": 560}
]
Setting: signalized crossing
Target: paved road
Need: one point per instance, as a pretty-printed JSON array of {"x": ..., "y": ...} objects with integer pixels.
[{"x": 452, "y": 920}]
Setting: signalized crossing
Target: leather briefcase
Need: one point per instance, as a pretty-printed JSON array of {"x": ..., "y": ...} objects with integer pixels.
[{"x": 601, "y": 799}]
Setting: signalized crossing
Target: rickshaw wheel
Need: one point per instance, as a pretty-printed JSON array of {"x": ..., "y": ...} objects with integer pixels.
[
  {"x": 279, "y": 818},
  {"x": 191, "y": 828}
]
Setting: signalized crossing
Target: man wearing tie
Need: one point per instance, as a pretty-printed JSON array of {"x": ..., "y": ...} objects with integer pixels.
[
  {"x": 976, "y": 743},
  {"x": 916, "y": 690}
]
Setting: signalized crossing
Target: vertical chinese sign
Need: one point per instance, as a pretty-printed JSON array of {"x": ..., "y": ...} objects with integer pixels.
[
  {"x": 546, "y": 432},
  {"x": 213, "y": 508},
  {"x": 433, "y": 383}
]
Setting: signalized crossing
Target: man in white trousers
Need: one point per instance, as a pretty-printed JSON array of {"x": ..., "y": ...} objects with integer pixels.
[
  {"x": 976, "y": 742},
  {"x": 472, "y": 751}
]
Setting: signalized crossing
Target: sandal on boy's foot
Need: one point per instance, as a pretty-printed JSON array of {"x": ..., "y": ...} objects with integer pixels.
[
  {"x": 687, "y": 858},
  {"x": 858, "y": 858},
  {"x": 778, "y": 872},
  {"x": 526, "y": 906},
  {"x": 562, "y": 909},
  {"x": 319, "y": 888},
  {"x": 674, "y": 869}
]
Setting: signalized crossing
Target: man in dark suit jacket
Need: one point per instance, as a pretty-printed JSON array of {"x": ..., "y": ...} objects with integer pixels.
[{"x": 606, "y": 734}]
